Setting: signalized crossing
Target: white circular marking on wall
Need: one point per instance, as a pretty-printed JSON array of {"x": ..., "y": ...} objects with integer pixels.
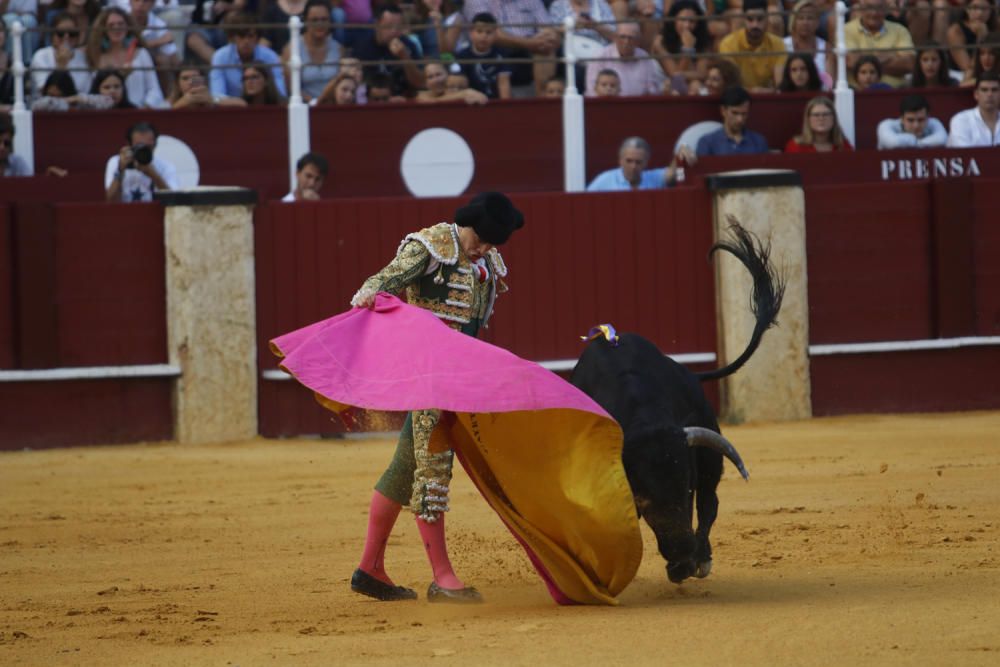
[
  {"x": 437, "y": 162},
  {"x": 179, "y": 154}
]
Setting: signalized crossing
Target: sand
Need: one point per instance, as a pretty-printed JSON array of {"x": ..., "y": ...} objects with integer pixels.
[{"x": 862, "y": 540}]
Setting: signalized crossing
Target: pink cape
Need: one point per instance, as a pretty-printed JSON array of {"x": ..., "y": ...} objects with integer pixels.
[{"x": 543, "y": 454}]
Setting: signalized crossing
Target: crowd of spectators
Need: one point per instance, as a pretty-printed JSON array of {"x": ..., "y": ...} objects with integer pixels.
[{"x": 503, "y": 48}]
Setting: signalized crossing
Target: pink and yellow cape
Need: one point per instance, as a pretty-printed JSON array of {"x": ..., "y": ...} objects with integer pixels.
[{"x": 543, "y": 454}]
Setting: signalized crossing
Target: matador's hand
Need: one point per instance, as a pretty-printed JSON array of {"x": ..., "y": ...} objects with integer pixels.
[{"x": 364, "y": 298}]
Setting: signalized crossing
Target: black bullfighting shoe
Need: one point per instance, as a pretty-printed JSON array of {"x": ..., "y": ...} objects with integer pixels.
[
  {"x": 366, "y": 584},
  {"x": 461, "y": 595}
]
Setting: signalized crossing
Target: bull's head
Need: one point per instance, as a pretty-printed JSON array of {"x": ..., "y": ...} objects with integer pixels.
[{"x": 662, "y": 471}]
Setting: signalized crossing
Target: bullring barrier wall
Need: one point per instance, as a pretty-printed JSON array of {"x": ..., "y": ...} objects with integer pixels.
[{"x": 912, "y": 266}]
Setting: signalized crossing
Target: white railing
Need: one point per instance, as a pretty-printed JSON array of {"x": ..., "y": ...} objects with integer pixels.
[
  {"x": 24, "y": 136},
  {"x": 843, "y": 94},
  {"x": 574, "y": 138},
  {"x": 298, "y": 111}
]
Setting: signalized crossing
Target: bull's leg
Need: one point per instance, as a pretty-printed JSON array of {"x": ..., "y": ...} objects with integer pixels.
[
  {"x": 707, "y": 503},
  {"x": 675, "y": 540}
]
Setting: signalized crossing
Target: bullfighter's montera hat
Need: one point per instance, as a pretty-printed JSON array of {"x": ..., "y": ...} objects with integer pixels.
[{"x": 492, "y": 216}]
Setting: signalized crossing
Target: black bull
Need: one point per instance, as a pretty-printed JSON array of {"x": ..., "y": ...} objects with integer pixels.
[{"x": 673, "y": 447}]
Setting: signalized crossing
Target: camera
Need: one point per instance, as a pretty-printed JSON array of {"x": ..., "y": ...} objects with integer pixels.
[{"x": 142, "y": 154}]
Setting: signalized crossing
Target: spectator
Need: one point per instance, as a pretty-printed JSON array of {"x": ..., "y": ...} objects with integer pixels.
[
  {"x": 647, "y": 13},
  {"x": 913, "y": 129},
  {"x": 803, "y": 26},
  {"x": 6, "y": 76},
  {"x": 25, "y": 11},
  {"x": 358, "y": 12},
  {"x": 111, "y": 83},
  {"x": 392, "y": 50},
  {"x": 721, "y": 74},
  {"x": 226, "y": 77},
  {"x": 352, "y": 67},
  {"x": 594, "y": 18},
  {"x": 437, "y": 88},
  {"x": 318, "y": 50},
  {"x": 115, "y": 43},
  {"x": 821, "y": 132},
  {"x": 607, "y": 84},
  {"x": 310, "y": 172},
  {"x": 799, "y": 75},
  {"x": 342, "y": 90},
  {"x": 523, "y": 33},
  {"x": 135, "y": 173},
  {"x": 10, "y": 164},
  {"x": 258, "y": 86},
  {"x": 979, "y": 18},
  {"x": 683, "y": 45},
  {"x": 84, "y": 12},
  {"x": 379, "y": 88},
  {"x": 889, "y": 42},
  {"x": 59, "y": 93},
  {"x": 631, "y": 173},
  {"x": 203, "y": 41},
  {"x": 638, "y": 74},
  {"x": 489, "y": 77},
  {"x": 443, "y": 33},
  {"x": 867, "y": 74},
  {"x": 978, "y": 126},
  {"x": 930, "y": 70},
  {"x": 757, "y": 53},
  {"x": 456, "y": 81},
  {"x": 733, "y": 137},
  {"x": 190, "y": 91},
  {"x": 277, "y": 13},
  {"x": 554, "y": 87},
  {"x": 158, "y": 39},
  {"x": 987, "y": 59},
  {"x": 63, "y": 55}
]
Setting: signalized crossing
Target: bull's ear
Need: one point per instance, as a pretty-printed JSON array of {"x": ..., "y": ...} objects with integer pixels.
[{"x": 703, "y": 437}]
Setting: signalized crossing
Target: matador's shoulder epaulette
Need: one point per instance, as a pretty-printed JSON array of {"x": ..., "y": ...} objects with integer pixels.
[
  {"x": 496, "y": 262},
  {"x": 441, "y": 241}
]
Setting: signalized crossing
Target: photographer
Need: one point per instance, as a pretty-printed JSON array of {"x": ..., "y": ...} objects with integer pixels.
[{"x": 134, "y": 174}]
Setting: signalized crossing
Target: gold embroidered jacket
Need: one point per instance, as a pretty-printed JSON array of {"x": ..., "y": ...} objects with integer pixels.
[{"x": 438, "y": 276}]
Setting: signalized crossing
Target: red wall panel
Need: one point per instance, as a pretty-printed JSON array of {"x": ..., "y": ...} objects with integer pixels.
[
  {"x": 918, "y": 381},
  {"x": 83, "y": 412},
  {"x": 986, "y": 255},
  {"x": 868, "y": 254},
  {"x": 111, "y": 291},
  {"x": 7, "y": 322}
]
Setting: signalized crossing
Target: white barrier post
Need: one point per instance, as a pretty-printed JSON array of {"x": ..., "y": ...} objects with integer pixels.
[
  {"x": 24, "y": 134},
  {"x": 842, "y": 93},
  {"x": 574, "y": 148},
  {"x": 298, "y": 111}
]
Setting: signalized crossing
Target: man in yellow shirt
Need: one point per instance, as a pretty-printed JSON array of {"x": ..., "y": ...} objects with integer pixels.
[
  {"x": 739, "y": 47},
  {"x": 871, "y": 31}
]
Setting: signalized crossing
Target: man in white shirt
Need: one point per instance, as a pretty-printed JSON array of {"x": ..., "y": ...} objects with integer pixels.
[
  {"x": 913, "y": 129},
  {"x": 134, "y": 174},
  {"x": 62, "y": 55},
  {"x": 638, "y": 74},
  {"x": 310, "y": 172},
  {"x": 979, "y": 125}
]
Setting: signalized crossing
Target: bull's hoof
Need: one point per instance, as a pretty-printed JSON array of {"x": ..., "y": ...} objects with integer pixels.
[
  {"x": 678, "y": 572},
  {"x": 704, "y": 568}
]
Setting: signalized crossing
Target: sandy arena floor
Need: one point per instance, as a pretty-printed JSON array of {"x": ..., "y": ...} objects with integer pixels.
[{"x": 863, "y": 540}]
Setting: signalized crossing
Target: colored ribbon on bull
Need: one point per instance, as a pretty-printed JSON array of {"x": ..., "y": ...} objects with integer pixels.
[{"x": 606, "y": 330}]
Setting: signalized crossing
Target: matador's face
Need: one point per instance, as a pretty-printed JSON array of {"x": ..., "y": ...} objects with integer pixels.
[{"x": 470, "y": 243}]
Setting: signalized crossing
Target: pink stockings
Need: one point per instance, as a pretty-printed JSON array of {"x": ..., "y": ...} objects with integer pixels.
[{"x": 382, "y": 514}]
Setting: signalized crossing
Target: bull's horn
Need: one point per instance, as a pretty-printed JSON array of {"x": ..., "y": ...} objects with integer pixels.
[{"x": 703, "y": 437}]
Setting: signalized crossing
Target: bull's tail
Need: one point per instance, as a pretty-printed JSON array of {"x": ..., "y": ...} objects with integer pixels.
[{"x": 768, "y": 290}]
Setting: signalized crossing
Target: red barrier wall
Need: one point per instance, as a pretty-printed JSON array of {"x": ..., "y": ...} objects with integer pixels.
[
  {"x": 87, "y": 288},
  {"x": 637, "y": 260},
  {"x": 986, "y": 255}
]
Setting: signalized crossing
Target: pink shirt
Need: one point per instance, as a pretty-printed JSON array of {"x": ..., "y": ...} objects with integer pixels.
[
  {"x": 638, "y": 77},
  {"x": 358, "y": 11}
]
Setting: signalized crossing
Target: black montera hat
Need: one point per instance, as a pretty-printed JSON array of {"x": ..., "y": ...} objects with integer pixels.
[{"x": 492, "y": 216}]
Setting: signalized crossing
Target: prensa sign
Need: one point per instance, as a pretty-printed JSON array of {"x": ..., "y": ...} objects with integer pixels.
[{"x": 907, "y": 169}]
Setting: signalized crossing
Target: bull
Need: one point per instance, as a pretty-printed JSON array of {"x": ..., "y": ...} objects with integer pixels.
[{"x": 673, "y": 447}]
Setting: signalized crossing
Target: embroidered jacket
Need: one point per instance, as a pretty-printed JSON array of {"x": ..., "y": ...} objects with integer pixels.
[{"x": 439, "y": 277}]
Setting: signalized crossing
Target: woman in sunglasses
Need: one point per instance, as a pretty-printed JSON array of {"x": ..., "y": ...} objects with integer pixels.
[{"x": 64, "y": 54}]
